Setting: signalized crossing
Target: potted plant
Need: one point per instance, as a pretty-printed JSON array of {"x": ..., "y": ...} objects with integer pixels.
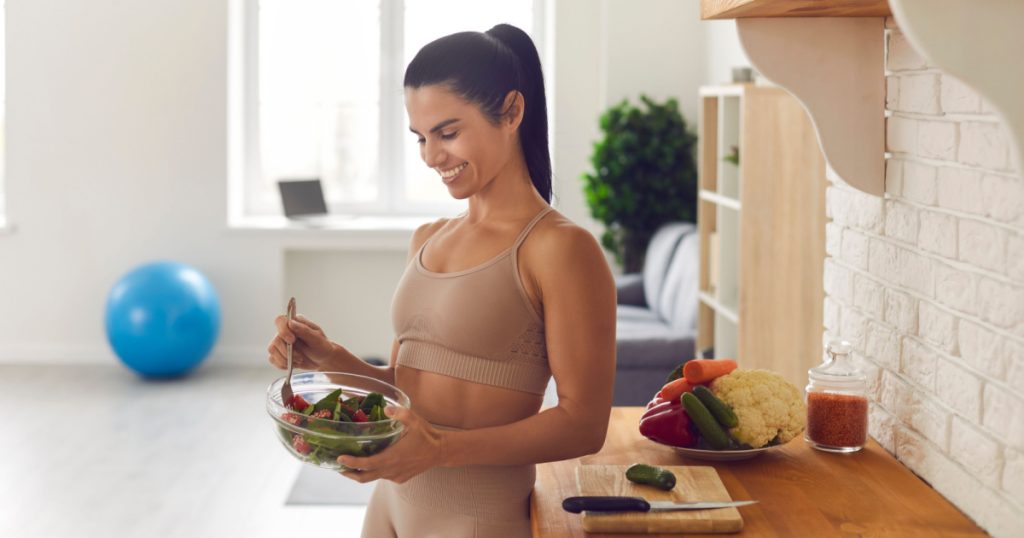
[{"x": 644, "y": 175}]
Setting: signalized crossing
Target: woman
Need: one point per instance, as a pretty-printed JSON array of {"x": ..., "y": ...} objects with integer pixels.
[{"x": 493, "y": 302}]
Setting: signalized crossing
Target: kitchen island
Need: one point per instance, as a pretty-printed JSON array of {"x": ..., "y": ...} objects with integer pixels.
[{"x": 802, "y": 491}]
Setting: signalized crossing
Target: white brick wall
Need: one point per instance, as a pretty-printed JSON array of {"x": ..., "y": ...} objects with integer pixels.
[{"x": 928, "y": 283}]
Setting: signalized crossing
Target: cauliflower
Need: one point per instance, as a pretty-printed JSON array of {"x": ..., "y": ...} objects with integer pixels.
[{"x": 766, "y": 405}]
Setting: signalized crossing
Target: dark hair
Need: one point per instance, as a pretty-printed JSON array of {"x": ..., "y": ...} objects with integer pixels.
[{"x": 482, "y": 68}]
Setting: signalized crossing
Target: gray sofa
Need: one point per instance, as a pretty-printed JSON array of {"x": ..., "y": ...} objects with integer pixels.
[{"x": 657, "y": 314}]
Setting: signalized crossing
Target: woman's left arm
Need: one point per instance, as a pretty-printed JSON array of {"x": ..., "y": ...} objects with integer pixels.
[{"x": 578, "y": 293}]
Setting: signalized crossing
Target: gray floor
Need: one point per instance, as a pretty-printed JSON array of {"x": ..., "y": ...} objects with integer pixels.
[
  {"x": 323, "y": 487},
  {"x": 94, "y": 451}
]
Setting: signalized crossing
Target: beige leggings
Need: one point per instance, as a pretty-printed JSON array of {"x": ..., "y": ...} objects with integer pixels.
[{"x": 478, "y": 501}]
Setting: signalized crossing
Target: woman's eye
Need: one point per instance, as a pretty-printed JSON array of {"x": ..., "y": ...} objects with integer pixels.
[
  {"x": 421, "y": 141},
  {"x": 449, "y": 136}
]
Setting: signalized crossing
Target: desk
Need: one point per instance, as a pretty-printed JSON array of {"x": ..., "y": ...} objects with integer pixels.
[{"x": 802, "y": 491}]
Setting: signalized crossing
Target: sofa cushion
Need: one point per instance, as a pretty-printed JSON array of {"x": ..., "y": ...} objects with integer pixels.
[
  {"x": 650, "y": 343},
  {"x": 625, "y": 312},
  {"x": 629, "y": 289},
  {"x": 658, "y": 256},
  {"x": 678, "y": 302}
]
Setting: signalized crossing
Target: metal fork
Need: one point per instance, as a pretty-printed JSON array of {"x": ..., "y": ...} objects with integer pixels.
[{"x": 286, "y": 390}]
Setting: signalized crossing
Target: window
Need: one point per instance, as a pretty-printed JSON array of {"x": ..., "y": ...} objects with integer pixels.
[
  {"x": 3, "y": 111},
  {"x": 321, "y": 96}
]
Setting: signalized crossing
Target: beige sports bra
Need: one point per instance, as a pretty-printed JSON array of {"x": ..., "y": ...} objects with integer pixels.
[{"x": 477, "y": 325}]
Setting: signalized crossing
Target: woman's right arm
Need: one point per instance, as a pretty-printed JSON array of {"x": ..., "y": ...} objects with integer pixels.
[{"x": 312, "y": 350}]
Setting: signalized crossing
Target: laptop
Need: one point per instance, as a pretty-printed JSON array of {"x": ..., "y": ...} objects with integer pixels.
[{"x": 303, "y": 201}]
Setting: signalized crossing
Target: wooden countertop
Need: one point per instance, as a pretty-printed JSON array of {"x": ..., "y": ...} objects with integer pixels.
[{"x": 802, "y": 491}]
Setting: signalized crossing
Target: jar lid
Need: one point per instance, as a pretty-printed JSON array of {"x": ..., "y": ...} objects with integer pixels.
[{"x": 838, "y": 371}]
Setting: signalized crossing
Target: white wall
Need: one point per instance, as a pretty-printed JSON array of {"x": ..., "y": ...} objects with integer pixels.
[
  {"x": 115, "y": 142},
  {"x": 724, "y": 51},
  {"x": 928, "y": 284},
  {"x": 600, "y": 59},
  {"x": 116, "y": 155},
  {"x": 655, "y": 47}
]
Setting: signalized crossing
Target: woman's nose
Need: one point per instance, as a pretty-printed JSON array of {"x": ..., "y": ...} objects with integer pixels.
[{"x": 432, "y": 153}]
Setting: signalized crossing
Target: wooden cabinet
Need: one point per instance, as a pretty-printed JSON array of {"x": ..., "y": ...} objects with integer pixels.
[
  {"x": 762, "y": 230},
  {"x": 734, "y": 9}
]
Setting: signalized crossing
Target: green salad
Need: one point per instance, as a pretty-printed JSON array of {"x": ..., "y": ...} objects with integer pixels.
[{"x": 331, "y": 427}]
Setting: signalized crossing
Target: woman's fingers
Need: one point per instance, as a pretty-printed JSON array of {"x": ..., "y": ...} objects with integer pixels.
[
  {"x": 360, "y": 476},
  {"x": 309, "y": 322},
  {"x": 305, "y": 336},
  {"x": 314, "y": 341},
  {"x": 276, "y": 354},
  {"x": 280, "y": 347},
  {"x": 283, "y": 331},
  {"x": 300, "y": 360},
  {"x": 278, "y": 350},
  {"x": 303, "y": 331},
  {"x": 302, "y": 356}
]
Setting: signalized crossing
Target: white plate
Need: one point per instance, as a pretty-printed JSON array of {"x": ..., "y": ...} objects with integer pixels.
[{"x": 722, "y": 455}]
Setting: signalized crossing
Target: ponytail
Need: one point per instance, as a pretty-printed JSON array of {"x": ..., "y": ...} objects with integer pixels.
[{"x": 483, "y": 68}]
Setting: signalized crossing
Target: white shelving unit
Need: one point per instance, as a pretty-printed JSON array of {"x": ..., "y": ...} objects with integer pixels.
[
  {"x": 761, "y": 223},
  {"x": 719, "y": 220}
]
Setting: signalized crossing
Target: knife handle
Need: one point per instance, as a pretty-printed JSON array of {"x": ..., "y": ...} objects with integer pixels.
[{"x": 605, "y": 504}]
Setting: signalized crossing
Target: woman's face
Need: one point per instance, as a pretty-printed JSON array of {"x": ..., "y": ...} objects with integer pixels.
[{"x": 457, "y": 140}]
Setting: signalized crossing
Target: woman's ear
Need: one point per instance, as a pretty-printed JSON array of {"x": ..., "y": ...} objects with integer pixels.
[{"x": 514, "y": 107}]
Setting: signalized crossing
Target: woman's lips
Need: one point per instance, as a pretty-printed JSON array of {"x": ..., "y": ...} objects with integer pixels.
[{"x": 461, "y": 168}]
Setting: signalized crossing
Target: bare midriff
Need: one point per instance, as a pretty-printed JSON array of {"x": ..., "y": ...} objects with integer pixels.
[{"x": 449, "y": 401}]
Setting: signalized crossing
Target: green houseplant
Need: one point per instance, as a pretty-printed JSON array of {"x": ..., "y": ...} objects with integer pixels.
[{"x": 644, "y": 175}]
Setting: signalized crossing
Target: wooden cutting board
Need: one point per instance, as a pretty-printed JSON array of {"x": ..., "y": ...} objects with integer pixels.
[{"x": 693, "y": 483}]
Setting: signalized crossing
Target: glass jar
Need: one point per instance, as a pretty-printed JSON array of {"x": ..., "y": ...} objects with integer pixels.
[{"x": 837, "y": 403}]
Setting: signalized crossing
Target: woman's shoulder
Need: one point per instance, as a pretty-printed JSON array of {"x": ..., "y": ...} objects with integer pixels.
[
  {"x": 560, "y": 255},
  {"x": 424, "y": 232},
  {"x": 428, "y": 229},
  {"x": 557, "y": 239}
]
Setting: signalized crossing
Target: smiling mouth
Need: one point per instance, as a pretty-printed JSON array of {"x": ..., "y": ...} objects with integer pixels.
[{"x": 449, "y": 175}]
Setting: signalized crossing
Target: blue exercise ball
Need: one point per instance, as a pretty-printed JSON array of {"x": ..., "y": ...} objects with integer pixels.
[{"x": 162, "y": 318}]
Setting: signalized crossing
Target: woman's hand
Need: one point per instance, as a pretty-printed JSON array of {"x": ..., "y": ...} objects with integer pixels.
[
  {"x": 311, "y": 349},
  {"x": 419, "y": 449}
]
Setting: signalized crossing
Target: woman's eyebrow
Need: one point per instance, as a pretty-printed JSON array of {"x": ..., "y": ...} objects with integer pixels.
[{"x": 439, "y": 126}]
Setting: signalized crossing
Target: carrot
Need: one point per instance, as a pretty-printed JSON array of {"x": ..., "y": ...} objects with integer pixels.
[
  {"x": 673, "y": 389},
  {"x": 700, "y": 371}
]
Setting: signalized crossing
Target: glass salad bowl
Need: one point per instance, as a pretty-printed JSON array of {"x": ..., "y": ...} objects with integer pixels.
[{"x": 334, "y": 414}]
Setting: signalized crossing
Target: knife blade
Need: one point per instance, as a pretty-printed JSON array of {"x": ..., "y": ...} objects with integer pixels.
[{"x": 597, "y": 503}]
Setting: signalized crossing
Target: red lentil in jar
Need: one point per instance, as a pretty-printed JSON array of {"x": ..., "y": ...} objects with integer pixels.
[
  {"x": 837, "y": 404},
  {"x": 837, "y": 420}
]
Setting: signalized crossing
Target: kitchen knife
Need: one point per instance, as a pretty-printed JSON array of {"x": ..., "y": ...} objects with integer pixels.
[{"x": 639, "y": 504}]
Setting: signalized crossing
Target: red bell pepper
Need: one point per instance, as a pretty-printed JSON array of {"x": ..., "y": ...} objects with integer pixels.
[
  {"x": 655, "y": 401},
  {"x": 671, "y": 427},
  {"x": 661, "y": 406}
]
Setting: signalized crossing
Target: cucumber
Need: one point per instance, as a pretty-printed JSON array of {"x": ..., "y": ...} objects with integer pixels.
[
  {"x": 650, "y": 475},
  {"x": 723, "y": 413},
  {"x": 708, "y": 426}
]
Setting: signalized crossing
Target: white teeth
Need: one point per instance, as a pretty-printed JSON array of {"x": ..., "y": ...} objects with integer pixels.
[{"x": 453, "y": 172}]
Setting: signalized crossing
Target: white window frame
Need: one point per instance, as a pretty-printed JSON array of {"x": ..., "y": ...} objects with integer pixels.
[
  {"x": 3, "y": 114},
  {"x": 247, "y": 197}
]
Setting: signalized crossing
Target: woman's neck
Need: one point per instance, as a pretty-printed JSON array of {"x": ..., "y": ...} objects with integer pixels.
[{"x": 510, "y": 196}]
